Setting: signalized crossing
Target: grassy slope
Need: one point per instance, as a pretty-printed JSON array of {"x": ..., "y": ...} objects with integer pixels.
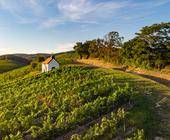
[
  {"x": 86, "y": 76},
  {"x": 10, "y": 62},
  {"x": 6, "y": 65},
  {"x": 154, "y": 120},
  {"x": 156, "y": 101},
  {"x": 160, "y": 99},
  {"x": 161, "y": 93},
  {"x": 164, "y": 73}
]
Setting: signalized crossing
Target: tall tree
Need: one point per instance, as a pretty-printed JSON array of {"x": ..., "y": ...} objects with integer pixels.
[
  {"x": 82, "y": 49},
  {"x": 149, "y": 48},
  {"x": 113, "y": 39},
  {"x": 157, "y": 35}
]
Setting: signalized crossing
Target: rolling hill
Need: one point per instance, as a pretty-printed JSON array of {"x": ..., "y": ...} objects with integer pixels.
[
  {"x": 13, "y": 61},
  {"x": 31, "y": 56},
  {"x": 10, "y": 62},
  {"x": 6, "y": 65},
  {"x": 78, "y": 102}
]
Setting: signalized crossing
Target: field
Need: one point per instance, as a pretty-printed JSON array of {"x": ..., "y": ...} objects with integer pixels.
[
  {"x": 78, "y": 101},
  {"x": 10, "y": 62},
  {"x": 52, "y": 104},
  {"x": 6, "y": 65}
]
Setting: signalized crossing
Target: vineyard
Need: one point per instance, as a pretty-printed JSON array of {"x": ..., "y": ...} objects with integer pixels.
[
  {"x": 109, "y": 128},
  {"x": 10, "y": 62},
  {"x": 49, "y": 105},
  {"x": 6, "y": 65}
]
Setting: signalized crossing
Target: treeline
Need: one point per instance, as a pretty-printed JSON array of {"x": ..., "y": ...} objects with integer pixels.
[
  {"x": 150, "y": 48},
  {"x": 106, "y": 48},
  {"x": 17, "y": 59}
]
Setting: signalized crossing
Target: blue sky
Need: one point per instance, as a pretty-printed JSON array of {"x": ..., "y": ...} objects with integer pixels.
[{"x": 31, "y": 26}]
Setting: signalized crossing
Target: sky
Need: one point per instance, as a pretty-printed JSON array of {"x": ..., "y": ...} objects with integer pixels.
[{"x": 51, "y": 26}]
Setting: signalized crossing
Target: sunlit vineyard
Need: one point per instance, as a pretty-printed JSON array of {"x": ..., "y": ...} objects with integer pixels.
[
  {"x": 51, "y": 104},
  {"x": 112, "y": 126}
]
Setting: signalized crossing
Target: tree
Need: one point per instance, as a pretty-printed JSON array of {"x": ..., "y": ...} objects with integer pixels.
[
  {"x": 113, "y": 39},
  {"x": 40, "y": 58},
  {"x": 93, "y": 48},
  {"x": 149, "y": 48},
  {"x": 157, "y": 35},
  {"x": 105, "y": 49},
  {"x": 82, "y": 49},
  {"x": 34, "y": 65},
  {"x": 79, "y": 49}
]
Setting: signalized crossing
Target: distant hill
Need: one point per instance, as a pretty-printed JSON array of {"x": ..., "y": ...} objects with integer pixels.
[
  {"x": 12, "y": 61},
  {"x": 31, "y": 56}
]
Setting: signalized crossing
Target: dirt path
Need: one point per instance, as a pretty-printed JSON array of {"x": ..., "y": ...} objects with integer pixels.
[
  {"x": 157, "y": 82},
  {"x": 155, "y": 76}
]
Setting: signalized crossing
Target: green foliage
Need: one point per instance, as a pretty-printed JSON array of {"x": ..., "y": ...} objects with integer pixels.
[
  {"x": 7, "y": 65},
  {"x": 113, "y": 39},
  {"x": 52, "y": 104},
  {"x": 156, "y": 36},
  {"x": 34, "y": 65},
  {"x": 138, "y": 135},
  {"x": 39, "y": 58},
  {"x": 66, "y": 58},
  {"x": 82, "y": 49},
  {"x": 10, "y": 62},
  {"x": 18, "y": 136},
  {"x": 14, "y": 74},
  {"x": 149, "y": 49},
  {"x": 109, "y": 128},
  {"x": 106, "y": 49}
]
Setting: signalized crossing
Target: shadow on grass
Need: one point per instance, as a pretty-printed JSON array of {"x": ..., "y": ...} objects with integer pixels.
[
  {"x": 154, "y": 78},
  {"x": 154, "y": 120}
]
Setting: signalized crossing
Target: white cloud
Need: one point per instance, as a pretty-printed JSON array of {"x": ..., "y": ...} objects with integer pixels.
[
  {"x": 2, "y": 28},
  {"x": 77, "y": 11},
  {"x": 60, "y": 47},
  {"x": 150, "y": 4},
  {"x": 4, "y": 49},
  {"x": 63, "y": 47},
  {"x": 25, "y": 11},
  {"x": 58, "y": 21},
  {"x": 51, "y": 22},
  {"x": 81, "y": 11},
  {"x": 159, "y": 2},
  {"x": 33, "y": 2}
]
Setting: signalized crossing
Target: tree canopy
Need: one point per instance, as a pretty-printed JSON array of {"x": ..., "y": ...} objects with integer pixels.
[
  {"x": 150, "y": 48},
  {"x": 106, "y": 48}
]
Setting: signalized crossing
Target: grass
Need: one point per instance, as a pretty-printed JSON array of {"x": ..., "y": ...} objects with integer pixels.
[
  {"x": 154, "y": 119},
  {"x": 66, "y": 58},
  {"x": 73, "y": 91},
  {"x": 7, "y": 65},
  {"x": 145, "y": 114}
]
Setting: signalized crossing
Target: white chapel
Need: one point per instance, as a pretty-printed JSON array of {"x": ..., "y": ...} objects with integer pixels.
[{"x": 49, "y": 64}]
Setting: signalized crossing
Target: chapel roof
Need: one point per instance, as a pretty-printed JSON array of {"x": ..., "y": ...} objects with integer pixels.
[{"x": 48, "y": 60}]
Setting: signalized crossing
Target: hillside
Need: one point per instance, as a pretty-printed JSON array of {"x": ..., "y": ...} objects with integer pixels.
[
  {"x": 6, "y": 65},
  {"x": 76, "y": 100},
  {"x": 10, "y": 62},
  {"x": 13, "y": 61},
  {"x": 161, "y": 76},
  {"x": 31, "y": 56}
]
